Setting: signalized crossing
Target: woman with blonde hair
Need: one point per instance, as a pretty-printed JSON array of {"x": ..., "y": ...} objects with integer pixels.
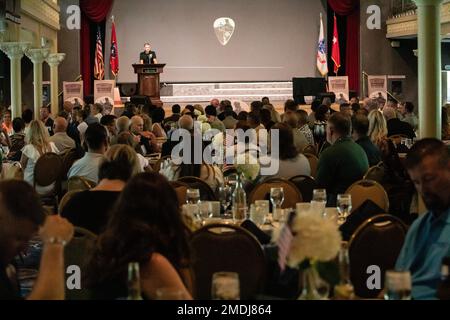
[
  {"x": 38, "y": 143},
  {"x": 377, "y": 127},
  {"x": 90, "y": 209}
]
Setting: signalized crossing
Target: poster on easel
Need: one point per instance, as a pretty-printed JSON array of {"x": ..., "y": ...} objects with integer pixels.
[
  {"x": 104, "y": 94},
  {"x": 339, "y": 86},
  {"x": 73, "y": 92},
  {"x": 377, "y": 87}
]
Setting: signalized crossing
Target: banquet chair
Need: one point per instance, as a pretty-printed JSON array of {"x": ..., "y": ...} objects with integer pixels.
[
  {"x": 181, "y": 190},
  {"x": 227, "y": 248},
  {"x": 368, "y": 190},
  {"x": 306, "y": 185},
  {"x": 65, "y": 199},
  {"x": 378, "y": 241},
  {"x": 47, "y": 172},
  {"x": 206, "y": 193},
  {"x": 313, "y": 163},
  {"x": 69, "y": 159},
  {"x": 375, "y": 173},
  {"x": 310, "y": 149},
  {"x": 76, "y": 183},
  {"x": 12, "y": 171},
  {"x": 292, "y": 195},
  {"x": 77, "y": 253}
]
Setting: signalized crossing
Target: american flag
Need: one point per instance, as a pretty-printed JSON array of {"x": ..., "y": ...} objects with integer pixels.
[
  {"x": 99, "y": 67},
  {"x": 284, "y": 242}
]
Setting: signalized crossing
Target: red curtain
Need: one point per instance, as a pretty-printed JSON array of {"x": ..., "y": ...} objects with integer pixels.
[
  {"x": 350, "y": 9},
  {"x": 91, "y": 12}
]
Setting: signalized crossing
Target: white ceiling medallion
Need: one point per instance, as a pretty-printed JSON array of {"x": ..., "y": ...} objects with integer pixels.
[{"x": 224, "y": 29}]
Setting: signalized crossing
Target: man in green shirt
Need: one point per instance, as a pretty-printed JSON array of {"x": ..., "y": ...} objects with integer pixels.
[{"x": 344, "y": 162}]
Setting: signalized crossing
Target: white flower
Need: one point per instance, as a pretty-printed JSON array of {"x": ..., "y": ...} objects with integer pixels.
[
  {"x": 247, "y": 165},
  {"x": 315, "y": 239},
  {"x": 197, "y": 113}
]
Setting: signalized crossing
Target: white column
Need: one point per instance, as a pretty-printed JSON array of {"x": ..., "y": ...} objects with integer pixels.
[
  {"x": 37, "y": 56},
  {"x": 15, "y": 51},
  {"x": 430, "y": 79},
  {"x": 54, "y": 59}
]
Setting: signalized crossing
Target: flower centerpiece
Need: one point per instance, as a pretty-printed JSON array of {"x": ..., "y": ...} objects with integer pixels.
[
  {"x": 247, "y": 167},
  {"x": 315, "y": 240}
]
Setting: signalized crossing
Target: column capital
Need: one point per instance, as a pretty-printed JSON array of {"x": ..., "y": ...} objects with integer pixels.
[
  {"x": 15, "y": 50},
  {"x": 420, "y": 3},
  {"x": 54, "y": 59},
  {"x": 37, "y": 55}
]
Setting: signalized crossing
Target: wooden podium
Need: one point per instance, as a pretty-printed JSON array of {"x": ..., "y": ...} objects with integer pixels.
[{"x": 148, "y": 81}]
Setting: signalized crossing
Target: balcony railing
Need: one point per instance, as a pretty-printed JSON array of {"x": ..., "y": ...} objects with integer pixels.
[{"x": 402, "y": 8}]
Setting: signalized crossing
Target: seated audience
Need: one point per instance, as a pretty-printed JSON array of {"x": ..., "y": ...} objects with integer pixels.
[
  {"x": 396, "y": 126},
  {"x": 145, "y": 227},
  {"x": 312, "y": 116},
  {"x": 137, "y": 128},
  {"x": 37, "y": 144},
  {"x": 275, "y": 116},
  {"x": 97, "y": 142},
  {"x": 46, "y": 119},
  {"x": 406, "y": 111},
  {"x": 360, "y": 130},
  {"x": 21, "y": 218},
  {"x": 17, "y": 140},
  {"x": 377, "y": 128},
  {"x": 344, "y": 162},
  {"x": 291, "y": 161},
  {"x": 171, "y": 122},
  {"x": 7, "y": 123},
  {"x": 158, "y": 116},
  {"x": 300, "y": 141},
  {"x": 211, "y": 114},
  {"x": 290, "y": 106},
  {"x": 61, "y": 140},
  {"x": 184, "y": 123},
  {"x": 229, "y": 118},
  {"x": 90, "y": 209},
  {"x": 126, "y": 138},
  {"x": 266, "y": 118},
  {"x": 428, "y": 239},
  {"x": 303, "y": 126}
]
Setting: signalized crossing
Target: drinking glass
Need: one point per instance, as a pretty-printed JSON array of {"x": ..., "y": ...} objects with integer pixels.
[
  {"x": 170, "y": 294},
  {"x": 192, "y": 196},
  {"x": 265, "y": 204},
  {"x": 225, "y": 197},
  {"x": 205, "y": 210},
  {"x": 398, "y": 285},
  {"x": 344, "y": 206},
  {"x": 276, "y": 197},
  {"x": 225, "y": 286},
  {"x": 319, "y": 201},
  {"x": 258, "y": 214}
]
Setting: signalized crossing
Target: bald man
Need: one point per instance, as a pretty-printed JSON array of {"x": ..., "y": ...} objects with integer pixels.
[
  {"x": 186, "y": 122},
  {"x": 137, "y": 127},
  {"x": 62, "y": 141}
]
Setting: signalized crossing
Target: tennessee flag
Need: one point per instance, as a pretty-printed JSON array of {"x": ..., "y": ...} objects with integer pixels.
[
  {"x": 114, "y": 58},
  {"x": 336, "y": 53},
  {"x": 322, "y": 63}
]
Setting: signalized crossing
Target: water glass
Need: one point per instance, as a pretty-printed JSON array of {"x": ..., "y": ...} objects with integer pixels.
[
  {"x": 344, "y": 206},
  {"x": 398, "y": 285},
  {"x": 225, "y": 197},
  {"x": 265, "y": 204},
  {"x": 205, "y": 210},
  {"x": 257, "y": 214},
  {"x": 225, "y": 286},
  {"x": 215, "y": 209},
  {"x": 192, "y": 196},
  {"x": 303, "y": 208},
  {"x": 319, "y": 201},
  {"x": 276, "y": 197}
]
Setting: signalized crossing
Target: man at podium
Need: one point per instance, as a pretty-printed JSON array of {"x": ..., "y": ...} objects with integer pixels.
[{"x": 148, "y": 56}]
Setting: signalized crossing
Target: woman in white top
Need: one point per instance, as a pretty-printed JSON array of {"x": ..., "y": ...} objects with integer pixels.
[
  {"x": 157, "y": 118},
  {"x": 291, "y": 162},
  {"x": 37, "y": 144}
]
